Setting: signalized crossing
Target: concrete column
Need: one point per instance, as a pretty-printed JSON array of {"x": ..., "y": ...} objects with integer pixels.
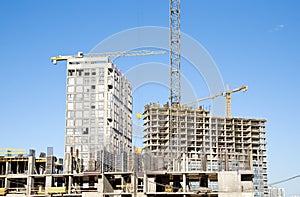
[
  {"x": 8, "y": 167},
  {"x": 7, "y": 183},
  {"x": 31, "y": 165},
  {"x": 30, "y": 179},
  {"x": 7, "y": 171},
  {"x": 67, "y": 164},
  {"x": 70, "y": 184},
  {"x": 226, "y": 161},
  {"x": 100, "y": 186},
  {"x": 134, "y": 184},
  {"x": 184, "y": 182},
  {"x": 48, "y": 183},
  {"x": 30, "y": 185},
  {"x": 145, "y": 183}
]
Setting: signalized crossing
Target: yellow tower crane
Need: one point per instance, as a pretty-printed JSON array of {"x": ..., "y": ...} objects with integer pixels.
[{"x": 226, "y": 94}]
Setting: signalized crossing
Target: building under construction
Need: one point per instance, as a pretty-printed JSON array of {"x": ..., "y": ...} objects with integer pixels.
[
  {"x": 193, "y": 140},
  {"x": 187, "y": 153}
]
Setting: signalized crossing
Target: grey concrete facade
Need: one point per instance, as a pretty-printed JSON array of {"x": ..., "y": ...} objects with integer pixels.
[{"x": 207, "y": 143}]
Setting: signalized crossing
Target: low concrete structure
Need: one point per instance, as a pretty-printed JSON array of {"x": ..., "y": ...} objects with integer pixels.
[{"x": 27, "y": 175}]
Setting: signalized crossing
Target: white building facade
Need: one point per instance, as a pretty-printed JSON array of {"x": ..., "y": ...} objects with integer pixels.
[{"x": 98, "y": 110}]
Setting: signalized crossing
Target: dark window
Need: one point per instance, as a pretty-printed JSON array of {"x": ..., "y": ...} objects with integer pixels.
[{"x": 86, "y": 131}]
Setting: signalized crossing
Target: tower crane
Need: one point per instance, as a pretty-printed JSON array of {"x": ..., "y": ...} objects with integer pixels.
[
  {"x": 226, "y": 94},
  {"x": 109, "y": 54}
]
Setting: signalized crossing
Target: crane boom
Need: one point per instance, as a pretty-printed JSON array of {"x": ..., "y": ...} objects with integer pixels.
[
  {"x": 243, "y": 88},
  {"x": 226, "y": 94},
  {"x": 109, "y": 54},
  {"x": 203, "y": 99}
]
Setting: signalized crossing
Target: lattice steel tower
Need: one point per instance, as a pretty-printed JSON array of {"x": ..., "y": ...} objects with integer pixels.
[
  {"x": 175, "y": 52},
  {"x": 175, "y": 96}
]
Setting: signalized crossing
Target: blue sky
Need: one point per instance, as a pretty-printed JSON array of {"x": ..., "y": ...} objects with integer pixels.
[{"x": 254, "y": 43}]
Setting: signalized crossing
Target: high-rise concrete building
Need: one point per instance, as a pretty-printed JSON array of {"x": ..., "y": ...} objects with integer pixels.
[
  {"x": 196, "y": 141},
  {"x": 98, "y": 110}
]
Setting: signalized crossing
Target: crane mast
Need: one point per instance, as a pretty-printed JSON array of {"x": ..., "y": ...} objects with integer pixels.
[{"x": 175, "y": 96}]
